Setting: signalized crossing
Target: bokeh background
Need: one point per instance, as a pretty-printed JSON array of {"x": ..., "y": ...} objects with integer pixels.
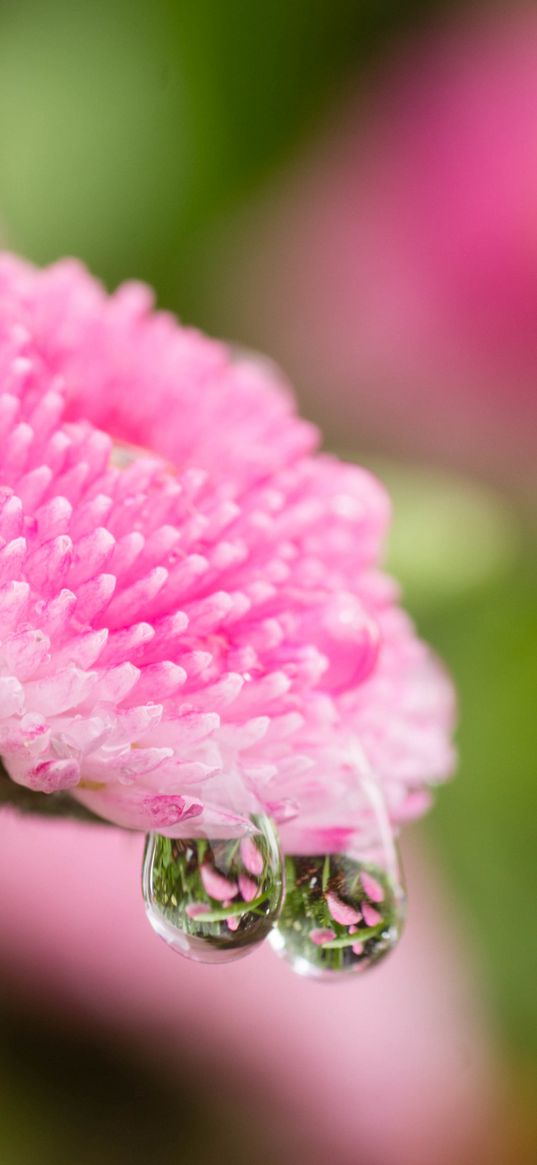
[{"x": 350, "y": 187}]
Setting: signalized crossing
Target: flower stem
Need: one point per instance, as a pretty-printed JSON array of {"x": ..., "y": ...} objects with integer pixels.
[
  {"x": 349, "y": 940},
  {"x": 234, "y": 909}
]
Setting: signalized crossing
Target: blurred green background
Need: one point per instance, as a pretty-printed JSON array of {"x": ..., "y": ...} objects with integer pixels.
[
  {"x": 130, "y": 129},
  {"x": 137, "y": 136}
]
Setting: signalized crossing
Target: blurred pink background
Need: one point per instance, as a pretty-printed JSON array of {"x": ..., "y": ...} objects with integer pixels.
[
  {"x": 393, "y": 269},
  {"x": 379, "y": 1073}
]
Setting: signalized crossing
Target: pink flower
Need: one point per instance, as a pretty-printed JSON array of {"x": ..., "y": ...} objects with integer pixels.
[
  {"x": 217, "y": 885},
  {"x": 321, "y": 936},
  {"x": 195, "y": 909},
  {"x": 371, "y": 887},
  {"x": 247, "y": 887},
  {"x": 199, "y": 632},
  {"x": 251, "y": 856},
  {"x": 371, "y": 916},
  {"x": 341, "y": 911}
]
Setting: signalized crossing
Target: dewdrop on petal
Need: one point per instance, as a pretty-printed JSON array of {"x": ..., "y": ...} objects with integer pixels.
[
  {"x": 345, "y": 902},
  {"x": 214, "y": 899}
]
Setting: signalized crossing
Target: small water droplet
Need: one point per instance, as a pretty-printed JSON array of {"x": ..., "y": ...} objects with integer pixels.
[
  {"x": 344, "y": 905},
  {"x": 214, "y": 900}
]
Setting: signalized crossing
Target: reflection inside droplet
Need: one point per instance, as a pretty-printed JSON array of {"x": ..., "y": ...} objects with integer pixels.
[
  {"x": 340, "y": 914},
  {"x": 214, "y": 900}
]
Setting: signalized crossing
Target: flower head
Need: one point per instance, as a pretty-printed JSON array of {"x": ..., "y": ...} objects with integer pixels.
[{"x": 193, "y": 623}]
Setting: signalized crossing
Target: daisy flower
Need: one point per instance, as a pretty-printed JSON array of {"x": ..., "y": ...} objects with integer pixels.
[{"x": 195, "y": 632}]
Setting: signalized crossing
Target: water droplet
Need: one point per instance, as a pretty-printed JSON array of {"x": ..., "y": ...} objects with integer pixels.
[
  {"x": 214, "y": 900},
  {"x": 343, "y": 910},
  {"x": 328, "y": 923}
]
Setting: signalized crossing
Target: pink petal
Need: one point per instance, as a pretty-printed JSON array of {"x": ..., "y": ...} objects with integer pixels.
[
  {"x": 320, "y": 936},
  {"x": 251, "y": 856},
  {"x": 371, "y": 916},
  {"x": 11, "y": 697},
  {"x": 247, "y": 887},
  {"x": 195, "y": 909},
  {"x": 372, "y": 888},
  {"x": 216, "y": 885},
  {"x": 54, "y": 775},
  {"x": 166, "y": 811},
  {"x": 341, "y": 911}
]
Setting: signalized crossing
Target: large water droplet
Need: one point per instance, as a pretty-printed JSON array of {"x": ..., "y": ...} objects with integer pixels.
[
  {"x": 344, "y": 905},
  {"x": 339, "y": 914},
  {"x": 214, "y": 900}
]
